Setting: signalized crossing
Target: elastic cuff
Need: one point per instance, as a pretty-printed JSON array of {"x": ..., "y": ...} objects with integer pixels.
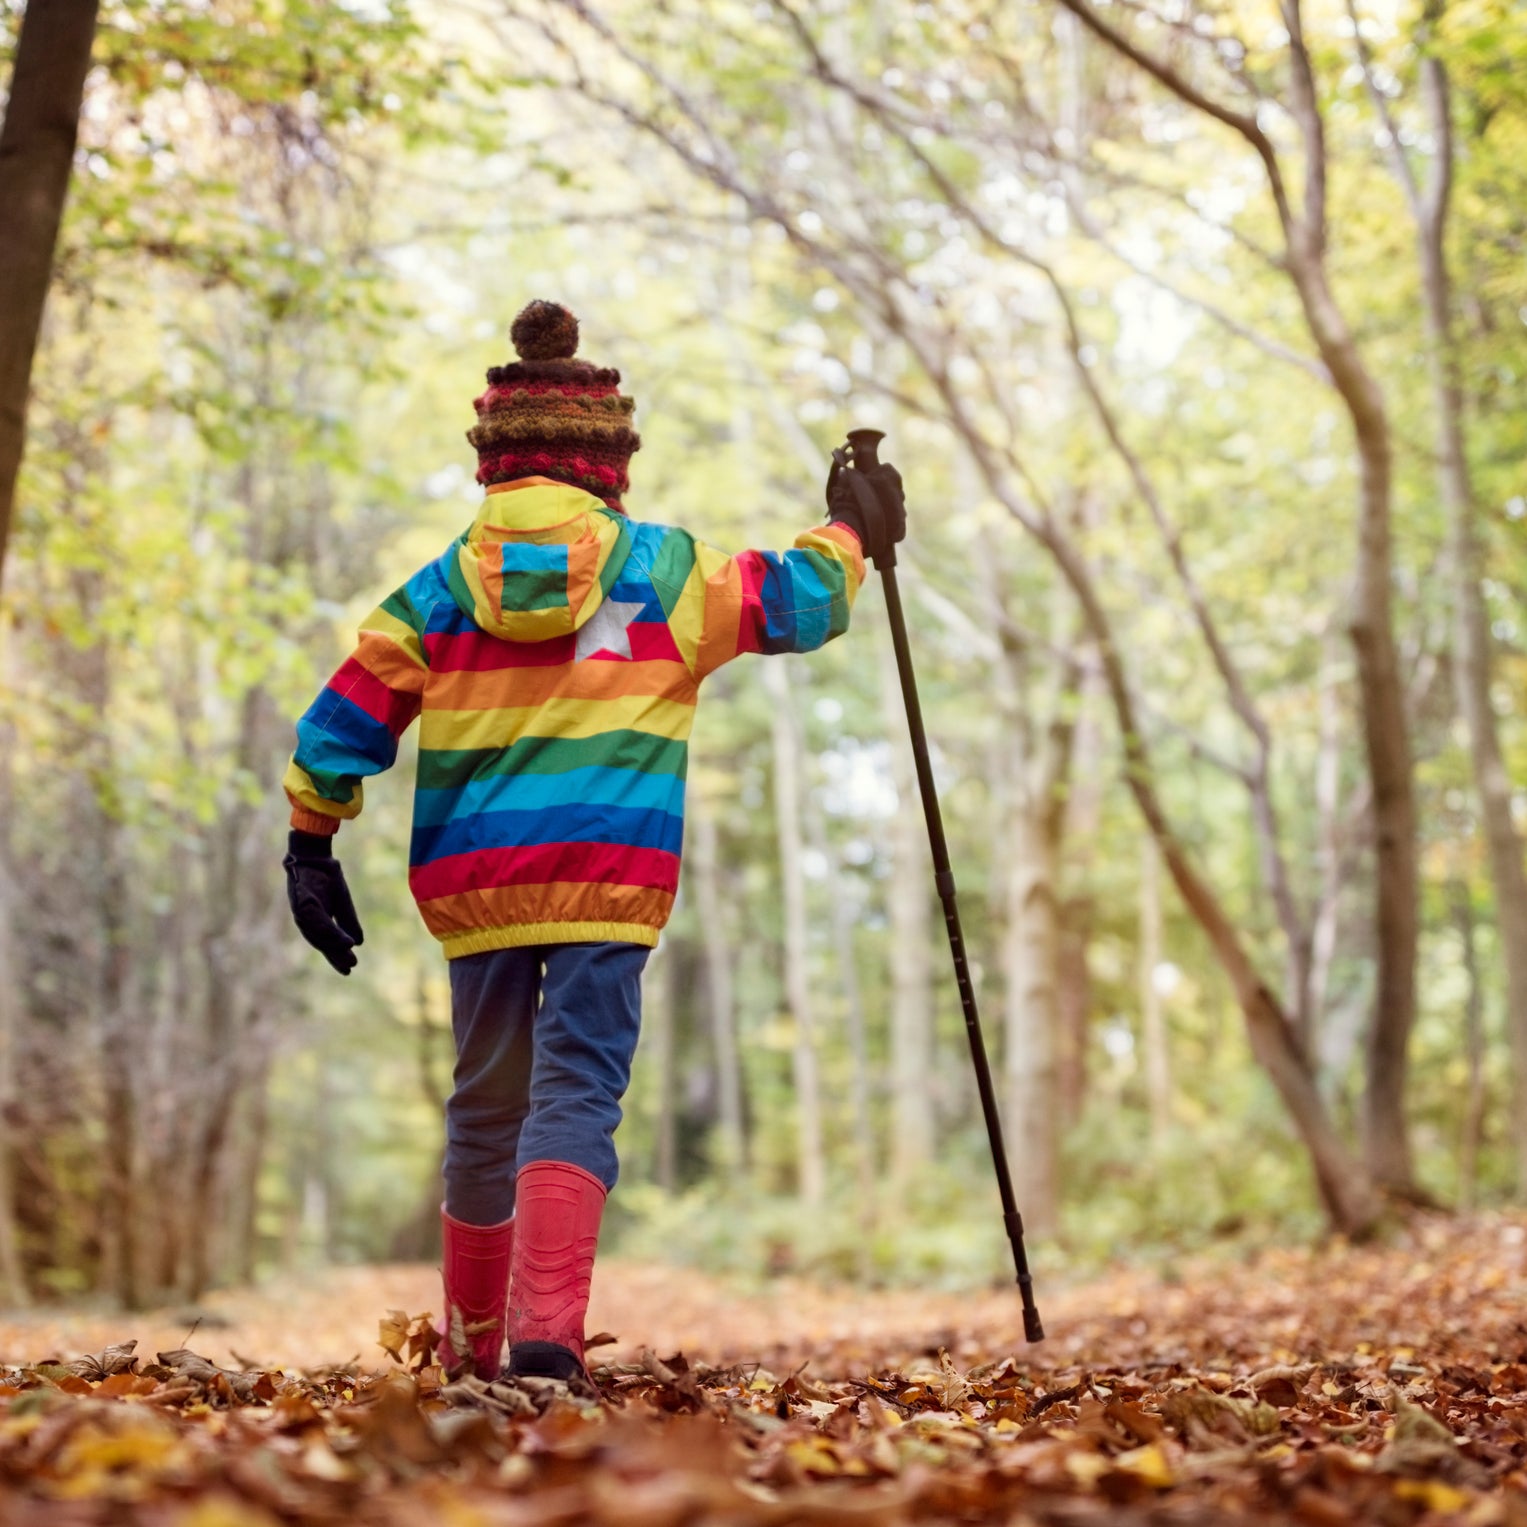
[
  {"x": 852, "y": 530},
  {"x": 314, "y": 822}
]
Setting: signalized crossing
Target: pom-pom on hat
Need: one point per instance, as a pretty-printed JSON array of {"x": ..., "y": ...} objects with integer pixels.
[{"x": 551, "y": 415}]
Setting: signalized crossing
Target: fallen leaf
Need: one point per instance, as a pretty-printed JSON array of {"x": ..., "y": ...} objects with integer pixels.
[{"x": 392, "y": 1334}]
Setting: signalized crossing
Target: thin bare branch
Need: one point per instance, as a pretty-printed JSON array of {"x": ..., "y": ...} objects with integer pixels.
[
  {"x": 1266, "y": 343},
  {"x": 1165, "y": 75},
  {"x": 1079, "y": 161},
  {"x": 1305, "y": 105},
  {"x": 1393, "y": 148}
]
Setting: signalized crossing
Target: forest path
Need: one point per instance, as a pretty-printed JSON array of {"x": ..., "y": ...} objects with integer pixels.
[
  {"x": 1303, "y": 1388},
  {"x": 330, "y": 1316},
  {"x": 1444, "y": 1281}
]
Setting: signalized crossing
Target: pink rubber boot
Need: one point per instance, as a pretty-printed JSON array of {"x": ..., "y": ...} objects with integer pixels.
[
  {"x": 557, "y": 1207},
  {"x": 475, "y": 1269}
]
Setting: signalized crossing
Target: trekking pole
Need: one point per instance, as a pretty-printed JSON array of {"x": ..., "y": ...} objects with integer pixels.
[{"x": 861, "y": 453}]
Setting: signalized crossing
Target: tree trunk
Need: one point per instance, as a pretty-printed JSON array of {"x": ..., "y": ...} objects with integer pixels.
[
  {"x": 1471, "y": 623},
  {"x": 812, "y": 1160},
  {"x": 1472, "y": 1129},
  {"x": 1471, "y": 677},
  {"x": 1326, "y": 926},
  {"x": 113, "y": 1036},
  {"x": 118, "y": 1041},
  {"x": 843, "y": 923},
  {"x": 1073, "y": 974},
  {"x": 1386, "y": 739},
  {"x": 1158, "y": 1070},
  {"x": 36, "y": 153},
  {"x": 203, "y": 1247},
  {"x": 244, "y": 1215},
  {"x": 1037, "y": 736},
  {"x": 907, "y": 907},
  {"x": 1026, "y": 864},
  {"x": 13, "y": 1286},
  {"x": 417, "y": 1239},
  {"x": 1073, "y": 1004},
  {"x": 858, "y": 1045},
  {"x": 716, "y": 946},
  {"x": 221, "y": 1041},
  {"x": 1030, "y": 1117}
]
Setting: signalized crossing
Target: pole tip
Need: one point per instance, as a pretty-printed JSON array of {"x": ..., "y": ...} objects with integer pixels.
[{"x": 1033, "y": 1327}]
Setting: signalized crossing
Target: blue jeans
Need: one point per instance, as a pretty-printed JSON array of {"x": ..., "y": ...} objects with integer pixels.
[{"x": 544, "y": 1042}]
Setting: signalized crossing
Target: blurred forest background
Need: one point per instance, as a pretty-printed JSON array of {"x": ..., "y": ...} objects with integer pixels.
[{"x": 1197, "y": 327}]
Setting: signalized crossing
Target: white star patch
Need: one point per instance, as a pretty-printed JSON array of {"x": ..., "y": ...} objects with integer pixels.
[{"x": 607, "y": 630}]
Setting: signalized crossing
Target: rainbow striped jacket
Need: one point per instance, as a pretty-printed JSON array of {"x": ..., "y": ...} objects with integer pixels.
[{"x": 554, "y": 656}]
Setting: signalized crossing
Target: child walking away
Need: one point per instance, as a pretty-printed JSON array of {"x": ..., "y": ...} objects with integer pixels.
[{"x": 553, "y": 655}]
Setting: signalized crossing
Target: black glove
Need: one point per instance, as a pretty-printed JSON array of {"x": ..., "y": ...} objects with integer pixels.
[
  {"x": 321, "y": 905},
  {"x": 875, "y": 510}
]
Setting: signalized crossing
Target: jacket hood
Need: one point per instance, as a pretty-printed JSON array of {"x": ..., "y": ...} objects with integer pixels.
[{"x": 537, "y": 561}]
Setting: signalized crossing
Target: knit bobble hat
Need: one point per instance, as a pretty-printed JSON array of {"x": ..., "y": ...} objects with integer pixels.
[{"x": 551, "y": 415}]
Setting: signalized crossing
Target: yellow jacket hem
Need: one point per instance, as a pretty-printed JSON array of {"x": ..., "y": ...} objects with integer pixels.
[{"x": 521, "y": 935}]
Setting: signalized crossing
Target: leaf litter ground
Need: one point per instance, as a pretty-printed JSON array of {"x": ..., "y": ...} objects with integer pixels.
[{"x": 1383, "y": 1385}]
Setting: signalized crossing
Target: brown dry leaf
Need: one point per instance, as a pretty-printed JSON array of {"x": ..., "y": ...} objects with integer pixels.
[
  {"x": 456, "y": 1337},
  {"x": 1421, "y": 1447},
  {"x": 117, "y": 1459},
  {"x": 1203, "y": 1416},
  {"x": 1147, "y": 1464},
  {"x": 1434, "y": 1495},
  {"x": 296, "y": 1412},
  {"x": 107, "y": 1363},
  {"x": 225, "y": 1511},
  {"x": 1281, "y": 1384},
  {"x": 953, "y": 1388},
  {"x": 392, "y": 1333},
  {"x": 220, "y": 1385},
  {"x": 120, "y": 1384}
]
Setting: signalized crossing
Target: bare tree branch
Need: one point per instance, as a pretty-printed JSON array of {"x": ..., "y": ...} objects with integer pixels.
[
  {"x": 1306, "y": 111},
  {"x": 1240, "y": 122},
  {"x": 1392, "y": 146},
  {"x": 1275, "y": 348}
]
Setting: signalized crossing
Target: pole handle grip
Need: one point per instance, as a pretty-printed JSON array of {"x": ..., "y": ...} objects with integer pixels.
[
  {"x": 864, "y": 444},
  {"x": 862, "y": 455}
]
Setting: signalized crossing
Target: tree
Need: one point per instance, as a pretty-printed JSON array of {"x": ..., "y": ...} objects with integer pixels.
[
  {"x": 912, "y": 1039},
  {"x": 36, "y": 156},
  {"x": 1304, "y": 256},
  {"x": 1430, "y": 206},
  {"x": 805, "y": 1057},
  {"x": 142, "y": 1074}
]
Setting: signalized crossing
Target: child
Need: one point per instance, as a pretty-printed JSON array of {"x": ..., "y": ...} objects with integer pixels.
[{"x": 555, "y": 653}]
